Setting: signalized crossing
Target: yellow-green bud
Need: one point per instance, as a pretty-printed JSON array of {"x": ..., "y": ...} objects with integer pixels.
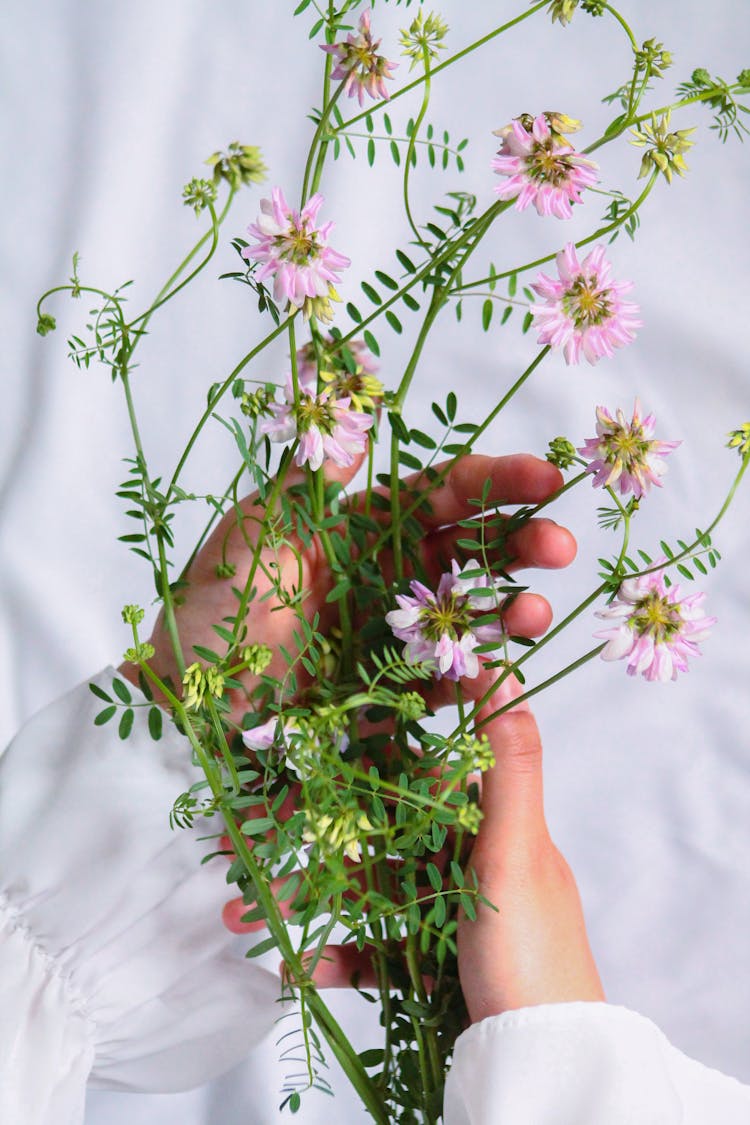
[{"x": 132, "y": 614}]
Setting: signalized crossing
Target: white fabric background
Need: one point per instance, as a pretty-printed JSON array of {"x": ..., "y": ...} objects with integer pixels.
[{"x": 109, "y": 110}]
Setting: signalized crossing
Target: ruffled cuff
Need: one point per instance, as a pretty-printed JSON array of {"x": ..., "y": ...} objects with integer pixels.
[
  {"x": 583, "y": 1064},
  {"x": 115, "y": 960}
]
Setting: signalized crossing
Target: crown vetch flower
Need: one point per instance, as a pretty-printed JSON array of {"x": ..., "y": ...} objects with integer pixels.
[
  {"x": 348, "y": 373},
  {"x": 359, "y": 64},
  {"x": 326, "y": 426},
  {"x": 295, "y": 252},
  {"x": 625, "y": 454},
  {"x": 541, "y": 168},
  {"x": 439, "y": 627},
  {"x": 584, "y": 313},
  {"x": 653, "y": 627}
]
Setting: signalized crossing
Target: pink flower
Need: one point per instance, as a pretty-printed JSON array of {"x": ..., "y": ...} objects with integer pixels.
[
  {"x": 439, "y": 628},
  {"x": 584, "y": 313},
  {"x": 359, "y": 64},
  {"x": 542, "y": 168},
  {"x": 326, "y": 426},
  {"x": 626, "y": 454},
  {"x": 654, "y": 627},
  {"x": 294, "y": 251}
]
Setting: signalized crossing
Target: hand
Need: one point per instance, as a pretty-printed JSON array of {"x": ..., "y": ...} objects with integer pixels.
[
  {"x": 534, "y": 949},
  {"x": 517, "y": 479}
]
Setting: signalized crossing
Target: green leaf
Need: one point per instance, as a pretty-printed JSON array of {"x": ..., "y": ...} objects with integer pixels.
[
  {"x": 386, "y": 280},
  {"x": 439, "y": 912},
  {"x": 353, "y": 312},
  {"x": 685, "y": 572},
  {"x": 100, "y": 693},
  {"x": 457, "y": 873},
  {"x": 410, "y": 302},
  {"x": 371, "y": 152},
  {"x": 406, "y": 262},
  {"x": 105, "y": 715},
  {"x": 371, "y": 293},
  {"x": 487, "y": 310},
  {"x": 207, "y": 654},
  {"x": 395, "y": 153},
  {"x": 262, "y": 947},
  {"x": 155, "y": 722},
  {"x": 126, "y": 723},
  {"x": 121, "y": 691},
  {"x": 434, "y": 876},
  {"x": 394, "y": 322},
  {"x": 423, "y": 439},
  {"x": 373, "y": 1057},
  {"x": 372, "y": 343}
]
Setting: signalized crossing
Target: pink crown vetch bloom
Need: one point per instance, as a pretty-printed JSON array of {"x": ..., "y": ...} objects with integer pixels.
[
  {"x": 626, "y": 455},
  {"x": 439, "y": 627},
  {"x": 584, "y": 313},
  {"x": 541, "y": 168},
  {"x": 359, "y": 64},
  {"x": 326, "y": 426},
  {"x": 653, "y": 627},
  {"x": 295, "y": 252}
]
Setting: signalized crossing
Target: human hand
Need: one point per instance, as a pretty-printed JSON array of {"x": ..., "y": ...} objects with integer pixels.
[
  {"x": 534, "y": 948},
  {"x": 206, "y": 599}
]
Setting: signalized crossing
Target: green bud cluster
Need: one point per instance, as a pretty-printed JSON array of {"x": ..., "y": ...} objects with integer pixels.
[
  {"x": 45, "y": 324},
  {"x": 257, "y": 657},
  {"x": 198, "y": 194},
  {"x": 139, "y": 653},
  {"x": 424, "y": 36},
  {"x": 561, "y": 453},
  {"x": 664, "y": 150},
  {"x": 740, "y": 439},
  {"x": 240, "y": 164},
  {"x": 132, "y": 614},
  {"x": 652, "y": 57}
]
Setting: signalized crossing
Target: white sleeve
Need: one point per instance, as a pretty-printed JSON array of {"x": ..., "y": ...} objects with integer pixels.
[
  {"x": 583, "y": 1064},
  {"x": 114, "y": 964}
]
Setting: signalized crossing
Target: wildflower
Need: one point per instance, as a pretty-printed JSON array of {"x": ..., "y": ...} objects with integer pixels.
[
  {"x": 295, "y": 252},
  {"x": 626, "y": 454},
  {"x": 664, "y": 150},
  {"x": 424, "y": 37},
  {"x": 653, "y": 57},
  {"x": 584, "y": 312},
  {"x": 325, "y": 426},
  {"x": 439, "y": 627},
  {"x": 654, "y": 627},
  {"x": 339, "y": 834},
  {"x": 740, "y": 439},
  {"x": 359, "y": 65},
  {"x": 541, "y": 167},
  {"x": 348, "y": 371}
]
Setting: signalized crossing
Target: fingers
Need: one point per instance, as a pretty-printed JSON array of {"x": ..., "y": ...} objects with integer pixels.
[
  {"x": 541, "y": 543},
  {"x": 518, "y": 478},
  {"x": 513, "y": 791},
  {"x": 342, "y": 966}
]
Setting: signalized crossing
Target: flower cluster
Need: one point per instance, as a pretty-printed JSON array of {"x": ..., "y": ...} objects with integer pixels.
[
  {"x": 324, "y": 425},
  {"x": 358, "y": 63},
  {"x": 348, "y": 373},
  {"x": 339, "y": 834},
  {"x": 295, "y": 252},
  {"x": 654, "y": 627},
  {"x": 424, "y": 38},
  {"x": 439, "y": 628},
  {"x": 198, "y": 683},
  {"x": 584, "y": 313},
  {"x": 625, "y": 454},
  {"x": 541, "y": 166}
]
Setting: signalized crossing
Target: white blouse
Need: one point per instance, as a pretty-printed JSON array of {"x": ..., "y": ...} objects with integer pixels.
[{"x": 115, "y": 968}]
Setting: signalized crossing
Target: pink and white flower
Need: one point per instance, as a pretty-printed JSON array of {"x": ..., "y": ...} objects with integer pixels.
[
  {"x": 294, "y": 251},
  {"x": 439, "y": 627},
  {"x": 584, "y": 313},
  {"x": 359, "y": 64},
  {"x": 653, "y": 627},
  {"x": 541, "y": 168},
  {"x": 327, "y": 427},
  {"x": 626, "y": 455}
]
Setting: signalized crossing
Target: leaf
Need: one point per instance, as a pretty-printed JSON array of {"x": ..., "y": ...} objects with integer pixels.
[
  {"x": 395, "y": 153},
  {"x": 105, "y": 715},
  {"x": 487, "y": 310},
  {"x": 100, "y": 693},
  {"x": 434, "y": 876},
  {"x": 406, "y": 262},
  {"x": 371, "y": 152},
  {"x": 372, "y": 343},
  {"x": 155, "y": 722},
  {"x": 371, "y": 293},
  {"x": 386, "y": 280},
  {"x": 410, "y": 302},
  {"x": 394, "y": 322},
  {"x": 126, "y": 723},
  {"x": 121, "y": 691},
  {"x": 262, "y": 947}
]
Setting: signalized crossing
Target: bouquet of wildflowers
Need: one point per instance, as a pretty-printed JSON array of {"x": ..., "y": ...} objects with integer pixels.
[{"x": 343, "y": 618}]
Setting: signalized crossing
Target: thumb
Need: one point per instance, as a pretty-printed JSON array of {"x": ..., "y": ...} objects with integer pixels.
[{"x": 512, "y": 791}]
